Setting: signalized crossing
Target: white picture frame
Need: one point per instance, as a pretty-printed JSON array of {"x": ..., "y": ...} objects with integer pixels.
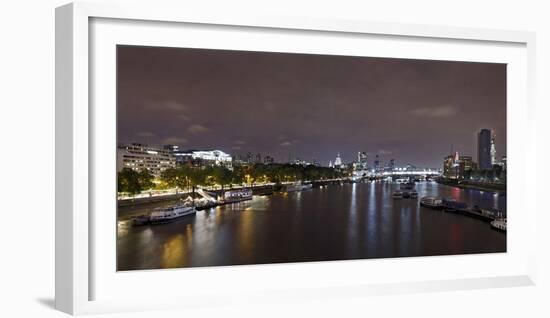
[{"x": 76, "y": 256}]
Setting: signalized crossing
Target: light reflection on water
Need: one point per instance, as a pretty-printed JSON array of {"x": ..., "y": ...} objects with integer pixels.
[
  {"x": 174, "y": 252},
  {"x": 336, "y": 222}
]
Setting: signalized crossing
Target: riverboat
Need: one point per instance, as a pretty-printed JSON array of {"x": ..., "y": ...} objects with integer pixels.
[
  {"x": 232, "y": 196},
  {"x": 431, "y": 202},
  {"x": 407, "y": 189},
  {"x": 499, "y": 224},
  {"x": 168, "y": 214},
  {"x": 413, "y": 194},
  {"x": 451, "y": 205},
  {"x": 397, "y": 194},
  {"x": 492, "y": 213}
]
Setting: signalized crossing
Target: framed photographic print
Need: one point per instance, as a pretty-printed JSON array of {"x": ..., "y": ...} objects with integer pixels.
[{"x": 235, "y": 155}]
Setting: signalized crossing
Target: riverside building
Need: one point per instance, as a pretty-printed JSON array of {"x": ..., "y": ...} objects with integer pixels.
[
  {"x": 484, "y": 141},
  {"x": 140, "y": 157},
  {"x": 201, "y": 158}
]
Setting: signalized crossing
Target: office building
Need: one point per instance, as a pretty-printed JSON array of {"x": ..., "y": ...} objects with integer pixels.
[
  {"x": 140, "y": 157},
  {"x": 450, "y": 166},
  {"x": 465, "y": 166},
  {"x": 484, "y": 140},
  {"x": 493, "y": 151},
  {"x": 377, "y": 163}
]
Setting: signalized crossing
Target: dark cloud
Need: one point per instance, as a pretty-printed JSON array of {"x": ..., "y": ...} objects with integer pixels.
[
  {"x": 413, "y": 110},
  {"x": 197, "y": 129},
  {"x": 174, "y": 140},
  {"x": 145, "y": 134},
  {"x": 435, "y": 112}
]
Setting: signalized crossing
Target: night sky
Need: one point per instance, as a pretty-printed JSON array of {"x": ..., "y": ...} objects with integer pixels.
[{"x": 308, "y": 106}]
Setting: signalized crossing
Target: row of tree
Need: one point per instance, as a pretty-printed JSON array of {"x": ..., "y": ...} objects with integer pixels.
[
  {"x": 190, "y": 177},
  {"x": 133, "y": 182}
]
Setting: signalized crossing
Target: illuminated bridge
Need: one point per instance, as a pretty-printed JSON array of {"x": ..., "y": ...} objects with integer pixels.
[
  {"x": 396, "y": 173},
  {"x": 410, "y": 172}
]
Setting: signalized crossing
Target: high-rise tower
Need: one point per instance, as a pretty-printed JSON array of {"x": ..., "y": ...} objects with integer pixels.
[
  {"x": 493, "y": 151},
  {"x": 484, "y": 149}
]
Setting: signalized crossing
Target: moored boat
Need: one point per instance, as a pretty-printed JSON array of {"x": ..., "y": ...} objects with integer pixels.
[
  {"x": 167, "y": 214},
  {"x": 407, "y": 189},
  {"x": 431, "y": 202},
  {"x": 397, "y": 194},
  {"x": 499, "y": 224},
  {"x": 492, "y": 213},
  {"x": 413, "y": 194},
  {"x": 451, "y": 205},
  {"x": 237, "y": 195}
]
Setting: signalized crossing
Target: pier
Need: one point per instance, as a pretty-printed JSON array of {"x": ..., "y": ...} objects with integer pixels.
[{"x": 474, "y": 214}]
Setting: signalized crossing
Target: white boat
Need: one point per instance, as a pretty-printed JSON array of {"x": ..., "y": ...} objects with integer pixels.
[
  {"x": 499, "y": 224},
  {"x": 431, "y": 202},
  {"x": 397, "y": 194},
  {"x": 237, "y": 195},
  {"x": 163, "y": 215}
]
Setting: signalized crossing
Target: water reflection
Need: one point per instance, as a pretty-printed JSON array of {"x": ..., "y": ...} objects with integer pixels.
[
  {"x": 174, "y": 252},
  {"x": 245, "y": 239},
  {"x": 352, "y": 221},
  {"x": 335, "y": 222}
]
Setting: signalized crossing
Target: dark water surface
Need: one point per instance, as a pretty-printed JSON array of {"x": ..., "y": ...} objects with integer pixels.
[{"x": 350, "y": 221}]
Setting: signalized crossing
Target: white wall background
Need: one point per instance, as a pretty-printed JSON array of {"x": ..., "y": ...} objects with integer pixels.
[{"x": 27, "y": 158}]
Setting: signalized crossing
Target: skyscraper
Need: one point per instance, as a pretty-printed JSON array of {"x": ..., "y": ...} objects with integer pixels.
[
  {"x": 377, "y": 163},
  {"x": 493, "y": 151},
  {"x": 484, "y": 141},
  {"x": 362, "y": 159}
]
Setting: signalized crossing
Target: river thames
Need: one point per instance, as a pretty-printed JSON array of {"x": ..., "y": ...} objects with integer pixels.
[{"x": 335, "y": 222}]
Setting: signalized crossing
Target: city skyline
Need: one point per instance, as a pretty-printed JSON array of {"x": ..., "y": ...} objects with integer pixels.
[
  {"x": 309, "y": 106},
  {"x": 373, "y": 162}
]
